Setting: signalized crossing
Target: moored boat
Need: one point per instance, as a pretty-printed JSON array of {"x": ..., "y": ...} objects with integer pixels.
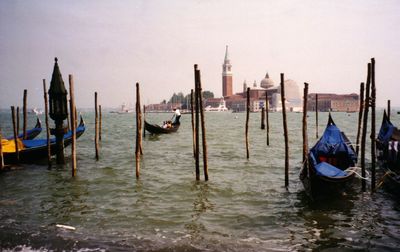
[
  {"x": 36, "y": 149},
  {"x": 388, "y": 154},
  {"x": 30, "y": 134},
  {"x": 328, "y": 169}
]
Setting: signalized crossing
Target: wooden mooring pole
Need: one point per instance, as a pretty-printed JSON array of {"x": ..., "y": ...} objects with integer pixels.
[
  {"x": 360, "y": 115},
  {"x": 73, "y": 125},
  {"x": 144, "y": 119},
  {"x": 247, "y": 123},
  {"x": 263, "y": 118},
  {"x": 305, "y": 137},
  {"x": 373, "y": 126},
  {"x": 15, "y": 133},
  {"x": 285, "y": 130},
  {"x": 364, "y": 128},
  {"x": 203, "y": 129},
  {"x": 46, "y": 113},
  {"x": 96, "y": 126},
  {"x": 267, "y": 115},
  {"x": 193, "y": 128},
  {"x": 138, "y": 150},
  {"x": 100, "y": 117},
  {"x": 25, "y": 113},
  {"x": 316, "y": 116},
  {"x": 388, "y": 109},
  {"x": 18, "y": 124},
  {"x": 196, "y": 91}
]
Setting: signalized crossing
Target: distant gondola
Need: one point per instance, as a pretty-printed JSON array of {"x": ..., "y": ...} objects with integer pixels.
[
  {"x": 36, "y": 149},
  {"x": 328, "y": 167},
  {"x": 30, "y": 134},
  {"x": 388, "y": 154},
  {"x": 156, "y": 129}
]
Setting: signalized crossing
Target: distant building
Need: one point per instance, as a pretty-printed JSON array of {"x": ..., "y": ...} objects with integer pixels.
[
  {"x": 334, "y": 102},
  {"x": 227, "y": 76},
  {"x": 257, "y": 94}
]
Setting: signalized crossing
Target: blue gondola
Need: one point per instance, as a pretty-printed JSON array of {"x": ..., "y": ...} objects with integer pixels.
[
  {"x": 388, "y": 154},
  {"x": 327, "y": 170}
]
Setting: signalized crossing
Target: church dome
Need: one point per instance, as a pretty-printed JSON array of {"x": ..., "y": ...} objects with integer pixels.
[{"x": 267, "y": 82}]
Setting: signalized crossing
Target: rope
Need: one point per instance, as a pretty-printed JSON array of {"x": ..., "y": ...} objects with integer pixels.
[{"x": 355, "y": 169}]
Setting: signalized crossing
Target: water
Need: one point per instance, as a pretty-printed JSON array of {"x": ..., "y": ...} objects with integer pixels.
[{"x": 243, "y": 207}]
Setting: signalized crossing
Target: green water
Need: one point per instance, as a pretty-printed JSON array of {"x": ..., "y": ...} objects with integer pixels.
[{"x": 243, "y": 207}]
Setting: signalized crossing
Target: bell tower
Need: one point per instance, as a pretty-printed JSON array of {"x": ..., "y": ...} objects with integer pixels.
[{"x": 227, "y": 76}]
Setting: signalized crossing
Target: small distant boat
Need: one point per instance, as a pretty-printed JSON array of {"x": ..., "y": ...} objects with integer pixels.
[
  {"x": 30, "y": 134},
  {"x": 388, "y": 153},
  {"x": 36, "y": 149},
  {"x": 157, "y": 129},
  {"x": 329, "y": 167},
  {"x": 221, "y": 107}
]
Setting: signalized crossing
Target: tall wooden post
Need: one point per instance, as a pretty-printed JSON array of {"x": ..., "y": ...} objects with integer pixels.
[
  {"x": 138, "y": 151},
  {"x": 46, "y": 113},
  {"x": 193, "y": 128},
  {"x": 263, "y": 118},
  {"x": 285, "y": 130},
  {"x": 267, "y": 115},
  {"x": 73, "y": 125},
  {"x": 1, "y": 153},
  {"x": 360, "y": 115},
  {"x": 388, "y": 109},
  {"x": 197, "y": 105},
  {"x": 18, "y": 125},
  {"x": 96, "y": 126},
  {"x": 305, "y": 137},
  {"x": 15, "y": 133},
  {"x": 364, "y": 129},
  {"x": 373, "y": 125},
  {"x": 247, "y": 123},
  {"x": 144, "y": 119},
  {"x": 316, "y": 116},
  {"x": 25, "y": 113},
  {"x": 203, "y": 129},
  {"x": 100, "y": 117}
]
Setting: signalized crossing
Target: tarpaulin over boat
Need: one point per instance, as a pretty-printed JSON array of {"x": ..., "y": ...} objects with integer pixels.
[
  {"x": 387, "y": 129},
  {"x": 333, "y": 144},
  {"x": 325, "y": 169},
  {"x": 8, "y": 146}
]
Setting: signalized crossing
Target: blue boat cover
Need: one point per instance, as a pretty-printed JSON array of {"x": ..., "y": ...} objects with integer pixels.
[
  {"x": 327, "y": 170},
  {"x": 333, "y": 144},
  {"x": 386, "y": 131},
  {"x": 43, "y": 142}
]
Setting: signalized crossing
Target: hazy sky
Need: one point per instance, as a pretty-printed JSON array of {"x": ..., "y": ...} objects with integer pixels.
[{"x": 110, "y": 45}]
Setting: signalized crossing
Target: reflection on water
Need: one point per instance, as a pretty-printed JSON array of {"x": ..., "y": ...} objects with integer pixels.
[{"x": 243, "y": 207}]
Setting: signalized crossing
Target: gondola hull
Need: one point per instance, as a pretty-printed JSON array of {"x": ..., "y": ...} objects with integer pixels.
[
  {"x": 30, "y": 134},
  {"x": 388, "y": 143},
  {"x": 156, "y": 129},
  {"x": 317, "y": 186},
  {"x": 327, "y": 171},
  {"x": 36, "y": 153}
]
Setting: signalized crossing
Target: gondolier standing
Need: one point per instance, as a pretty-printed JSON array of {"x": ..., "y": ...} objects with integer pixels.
[{"x": 177, "y": 115}]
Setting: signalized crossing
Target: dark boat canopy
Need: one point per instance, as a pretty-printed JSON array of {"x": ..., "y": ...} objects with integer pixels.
[
  {"x": 388, "y": 131},
  {"x": 333, "y": 143}
]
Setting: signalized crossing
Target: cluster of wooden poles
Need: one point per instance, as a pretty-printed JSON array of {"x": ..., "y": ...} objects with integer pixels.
[
  {"x": 198, "y": 118},
  {"x": 365, "y": 103},
  {"x": 71, "y": 124}
]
